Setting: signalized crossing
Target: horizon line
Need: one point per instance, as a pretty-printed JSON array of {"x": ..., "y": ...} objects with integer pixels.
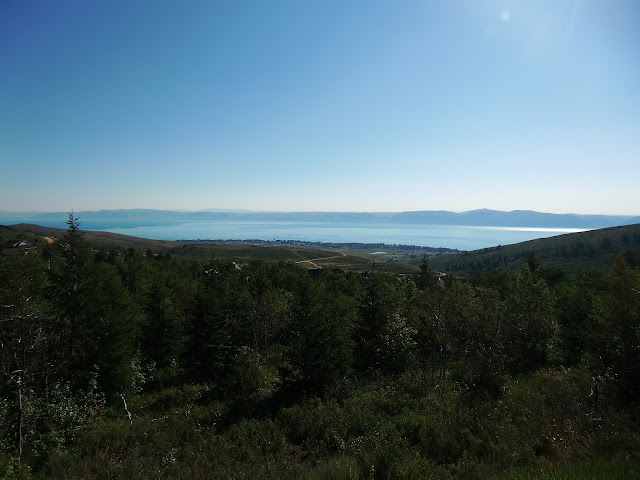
[{"x": 250, "y": 211}]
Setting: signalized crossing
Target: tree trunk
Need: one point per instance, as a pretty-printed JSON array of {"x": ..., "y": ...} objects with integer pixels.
[{"x": 19, "y": 432}]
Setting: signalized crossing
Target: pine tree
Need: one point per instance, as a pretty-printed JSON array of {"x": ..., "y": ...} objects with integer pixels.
[
  {"x": 528, "y": 324},
  {"x": 161, "y": 332},
  {"x": 621, "y": 304},
  {"x": 93, "y": 316}
]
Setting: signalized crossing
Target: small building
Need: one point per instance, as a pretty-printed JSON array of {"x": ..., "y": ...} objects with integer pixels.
[
  {"x": 17, "y": 244},
  {"x": 13, "y": 247}
]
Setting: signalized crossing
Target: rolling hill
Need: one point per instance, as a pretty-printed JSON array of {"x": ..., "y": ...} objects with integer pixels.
[
  {"x": 594, "y": 248},
  {"x": 240, "y": 252}
]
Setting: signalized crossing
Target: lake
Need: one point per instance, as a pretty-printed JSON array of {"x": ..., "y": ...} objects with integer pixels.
[{"x": 448, "y": 236}]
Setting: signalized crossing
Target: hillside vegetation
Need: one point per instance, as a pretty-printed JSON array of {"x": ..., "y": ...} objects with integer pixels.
[
  {"x": 594, "y": 248},
  {"x": 121, "y": 364},
  {"x": 238, "y": 251}
]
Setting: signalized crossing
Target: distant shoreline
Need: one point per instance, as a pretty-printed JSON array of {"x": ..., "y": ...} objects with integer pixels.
[
  {"x": 419, "y": 237},
  {"x": 343, "y": 245}
]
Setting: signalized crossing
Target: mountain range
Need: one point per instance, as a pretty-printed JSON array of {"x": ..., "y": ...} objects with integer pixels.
[{"x": 483, "y": 217}]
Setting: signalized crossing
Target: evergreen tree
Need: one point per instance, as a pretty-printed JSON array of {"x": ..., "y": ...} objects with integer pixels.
[
  {"x": 320, "y": 347},
  {"x": 108, "y": 330},
  {"x": 575, "y": 308},
  {"x": 427, "y": 278},
  {"x": 161, "y": 332},
  {"x": 621, "y": 308},
  {"x": 383, "y": 339},
  {"x": 67, "y": 294},
  {"x": 528, "y": 324},
  {"x": 210, "y": 349},
  {"x": 93, "y": 315}
]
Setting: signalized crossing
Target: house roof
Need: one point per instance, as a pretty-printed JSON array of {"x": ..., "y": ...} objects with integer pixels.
[{"x": 17, "y": 243}]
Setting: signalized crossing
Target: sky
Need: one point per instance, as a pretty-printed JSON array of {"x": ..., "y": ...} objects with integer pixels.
[{"x": 301, "y": 105}]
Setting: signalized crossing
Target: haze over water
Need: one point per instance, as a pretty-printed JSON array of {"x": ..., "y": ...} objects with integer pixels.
[{"x": 447, "y": 236}]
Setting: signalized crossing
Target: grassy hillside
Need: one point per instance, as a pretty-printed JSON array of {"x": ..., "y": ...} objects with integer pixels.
[
  {"x": 10, "y": 234},
  {"x": 593, "y": 248},
  {"x": 240, "y": 252},
  {"x": 97, "y": 239}
]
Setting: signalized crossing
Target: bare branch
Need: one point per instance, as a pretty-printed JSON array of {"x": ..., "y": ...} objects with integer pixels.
[{"x": 126, "y": 409}]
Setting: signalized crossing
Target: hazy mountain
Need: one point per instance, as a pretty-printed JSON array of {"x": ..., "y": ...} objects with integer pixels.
[
  {"x": 518, "y": 218},
  {"x": 515, "y": 218}
]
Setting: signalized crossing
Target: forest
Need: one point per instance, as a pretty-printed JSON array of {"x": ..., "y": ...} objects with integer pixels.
[{"x": 133, "y": 364}]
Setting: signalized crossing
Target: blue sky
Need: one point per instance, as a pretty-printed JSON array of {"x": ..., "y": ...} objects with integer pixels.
[{"x": 307, "y": 105}]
